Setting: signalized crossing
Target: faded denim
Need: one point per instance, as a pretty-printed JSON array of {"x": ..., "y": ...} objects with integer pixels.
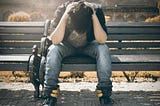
[{"x": 100, "y": 52}]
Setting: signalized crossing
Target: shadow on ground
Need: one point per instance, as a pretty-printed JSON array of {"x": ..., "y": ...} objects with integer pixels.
[{"x": 83, "y": 98}]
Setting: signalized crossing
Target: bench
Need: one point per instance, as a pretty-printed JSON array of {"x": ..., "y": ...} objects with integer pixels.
[{"x": 134, "y": 47}]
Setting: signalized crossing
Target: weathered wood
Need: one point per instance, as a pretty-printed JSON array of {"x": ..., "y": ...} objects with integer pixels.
[
  {"x": 135, "y": 24},
  {"x": 18, "y": 44},
  {"x": 114, "y": 52},
  {"x": 21, "y": 37},
  {"x": 133, "y": 51},
  {"x": 132, "y": 44},
  {"x": 135, "y": 46},
  {"x": 133, "y": 37},
  {"x": 14, "y": 58},
  {"x": 21, "y": 30},
  {"x": 18, "y": 66},
  {"x": 15, "y": 51},
  {"x": 115, "y": 67},
  {"x": 115, "y": 59},
  {"x": 15, "y": 66},
  {"x": 88, "y": 60},
  {"x": 133, "y": 30},
  {"x": 110, "y": 44},
  {"x": 22, "y": 24}
]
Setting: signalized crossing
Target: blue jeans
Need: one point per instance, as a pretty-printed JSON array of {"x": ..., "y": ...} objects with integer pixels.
[{"x": 100, "y": 52}]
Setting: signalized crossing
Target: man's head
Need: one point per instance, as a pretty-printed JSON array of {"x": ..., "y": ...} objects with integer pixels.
[{"x": 80, "y": 16}]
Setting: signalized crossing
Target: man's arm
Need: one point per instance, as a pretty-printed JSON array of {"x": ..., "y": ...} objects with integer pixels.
[
  {"x": 100, "y": 32},
  {"x": 58, "y": 34}
]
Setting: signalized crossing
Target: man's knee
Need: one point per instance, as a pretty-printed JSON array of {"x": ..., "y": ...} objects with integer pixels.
[{"x": 102, "y": 48}]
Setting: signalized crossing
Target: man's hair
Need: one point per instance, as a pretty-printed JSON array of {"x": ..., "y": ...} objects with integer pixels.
[{"x": 81, "y": 17}]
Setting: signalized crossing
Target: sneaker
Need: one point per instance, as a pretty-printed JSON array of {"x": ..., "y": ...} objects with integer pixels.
[
  {"x": 51, "y": 96},
  {"x": 105, "y": 100},
  {"x": 104, "y": 96}
]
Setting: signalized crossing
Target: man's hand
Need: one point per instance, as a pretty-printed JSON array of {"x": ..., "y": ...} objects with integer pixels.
[
  {"x": 69, "y": 8},
  {"x": 93, "y": 6}
]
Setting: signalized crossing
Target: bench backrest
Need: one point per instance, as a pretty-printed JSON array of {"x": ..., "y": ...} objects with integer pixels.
[
  {"x": 19, "y": 37},
  {"x": 123, "y": 38},
  {"x": 133, "y": 38}
]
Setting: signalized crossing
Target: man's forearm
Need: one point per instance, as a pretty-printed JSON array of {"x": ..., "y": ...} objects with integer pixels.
[
  {"x": 58, "y": 34},
  {"x": 100, "y": 34}
]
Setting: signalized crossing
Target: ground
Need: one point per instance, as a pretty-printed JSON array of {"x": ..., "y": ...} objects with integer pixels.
[{"x": 82, "y": 94}]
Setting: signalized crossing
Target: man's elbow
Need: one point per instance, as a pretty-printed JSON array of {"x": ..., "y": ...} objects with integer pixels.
[
  {"x": 102, "y": 41},
  {"x": 56, "y": 41}
]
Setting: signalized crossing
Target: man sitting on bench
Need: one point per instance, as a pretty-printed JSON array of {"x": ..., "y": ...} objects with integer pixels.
[{"x": 79, "y": 29}]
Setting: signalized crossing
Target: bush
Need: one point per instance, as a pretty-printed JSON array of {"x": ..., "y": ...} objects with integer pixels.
[
  {"x": 154, "y": 19},
  {"x": 19, "y": 17}
]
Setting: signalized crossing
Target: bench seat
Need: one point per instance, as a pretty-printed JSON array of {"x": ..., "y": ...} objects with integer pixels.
[{"x": 120, "y": 62}]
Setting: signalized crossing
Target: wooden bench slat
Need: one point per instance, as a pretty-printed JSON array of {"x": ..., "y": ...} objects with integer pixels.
[
  {"x": 132, "y": 24},
  {"x": 18, "y": 44},
  {"x": 133, "y": 30},
  {"x": 21, "y": 30},
  {"x": 19, "y": 66},
  {"x": 14, "y": 58},
  {"x": 115, "y": 52},
  {"x": 22, "y": 24},
  {"x": 16, "y": 51},
  {"x": 115, "y": 58},
  {"x": 87, "y": 67},
  {"x": 110, "y": 37},
  {"x": 21, "y": 37},
  {"x": 136, "y": 67},
  {"x": 110, "y": 44},
  {"x": 86, "y": 59},
  {"x": 132, "y": 51},
  {"x": 136, "y": 58},
  {"x": 115, "y": 67},
  {"x": 133, "y": 44},
  {"x": 133, "y": 37}
]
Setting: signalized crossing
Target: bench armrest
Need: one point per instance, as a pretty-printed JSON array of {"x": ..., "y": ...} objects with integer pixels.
[
  {"x": 45, "y": 43},
  {"x": 46, "y": 28}
]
